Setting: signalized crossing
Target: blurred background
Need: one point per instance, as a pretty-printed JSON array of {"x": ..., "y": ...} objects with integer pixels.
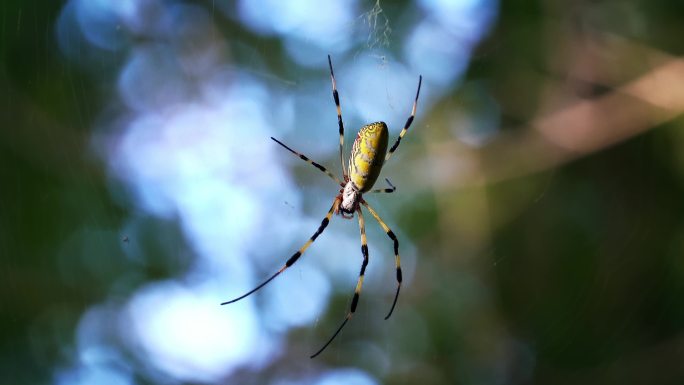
[{"x": 539, "y": 206}]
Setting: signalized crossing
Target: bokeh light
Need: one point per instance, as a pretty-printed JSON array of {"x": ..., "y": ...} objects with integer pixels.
[{"x": 537, "y": 204}]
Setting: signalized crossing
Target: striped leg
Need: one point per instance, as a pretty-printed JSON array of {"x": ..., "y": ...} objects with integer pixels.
[
  {"x": 408, "y": 122},
  {"x": 296, "y": 255},
  {"x": 359, "y": 283},
  {"x": 391, "y": 188},
  {"x": 311, "y": 162},
  {"x": 336, "y": 97},
  {"x": 397, "y": 260}
]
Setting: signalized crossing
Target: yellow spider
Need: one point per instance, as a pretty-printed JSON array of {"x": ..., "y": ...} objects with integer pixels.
[{"x": 368, "y": 155}]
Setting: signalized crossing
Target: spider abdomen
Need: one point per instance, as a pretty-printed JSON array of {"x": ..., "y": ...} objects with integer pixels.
[{"x": 368, "y": 155}]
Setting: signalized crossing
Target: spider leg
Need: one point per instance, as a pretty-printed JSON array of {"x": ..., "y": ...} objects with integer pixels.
[
  {"x": 336, "y": 97},
  {"x": 408, "y": 122},
  {"x": 294, "y": 256},
  {"x": 391, "y": 189},
  {"x": 311, "y": 162},
  {"x": 359, "y": 283},
  {"x": 397, "y": 260}
]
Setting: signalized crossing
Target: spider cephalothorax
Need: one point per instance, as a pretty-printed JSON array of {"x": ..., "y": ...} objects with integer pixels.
[
  {"x": 369, "y": 153},
  {"x": 349, "y": 200}
]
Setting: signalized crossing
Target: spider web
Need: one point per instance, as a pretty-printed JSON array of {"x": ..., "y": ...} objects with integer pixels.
[{"x": 379, "y": 30}]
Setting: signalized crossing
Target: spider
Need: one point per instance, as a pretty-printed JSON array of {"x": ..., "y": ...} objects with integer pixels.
[{"x": 369, "y": 153}]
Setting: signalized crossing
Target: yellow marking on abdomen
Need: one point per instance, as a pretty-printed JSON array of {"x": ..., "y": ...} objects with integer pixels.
[{"x": 368, "y": 155}]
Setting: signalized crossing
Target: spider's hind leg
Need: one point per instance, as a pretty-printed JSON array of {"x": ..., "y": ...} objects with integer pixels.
[
  {"x": 336, "y": 98},
  {"x": 407, "y": 124}
]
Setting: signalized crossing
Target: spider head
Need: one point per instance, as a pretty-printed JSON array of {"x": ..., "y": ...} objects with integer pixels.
[{"x": 350, "y": 200}]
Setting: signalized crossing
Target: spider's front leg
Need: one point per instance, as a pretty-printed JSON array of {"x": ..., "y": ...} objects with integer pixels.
[
  {"x": 397, "y": 259},
  {"x": 291, "y": 261},
  {"x": 359, "y": 283}
]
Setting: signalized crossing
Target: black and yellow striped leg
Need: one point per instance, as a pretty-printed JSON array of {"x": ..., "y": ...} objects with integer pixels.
[
  {"x": 359, "y": 283},
  {"x": 336, "y": 98},
  {"x": 391, "y": 189},
  {"x": 311, "y": 162},
  {"x": 408, "y": 123},
  {"x": 291, "y": 261},
  {"x": 397, "y": 260}
]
